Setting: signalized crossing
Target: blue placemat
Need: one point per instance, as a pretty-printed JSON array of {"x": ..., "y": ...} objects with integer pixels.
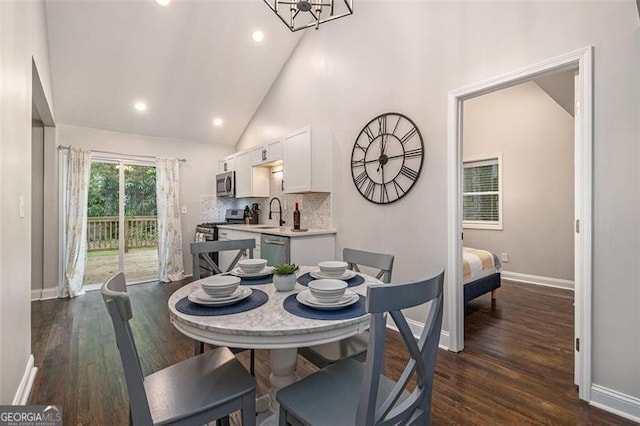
[
  {"x": 351, "y": 282},
  {"x": 294, "y": 307},
  {"x": 257, "y": 298},
  {"x": 267, "y": 279}
]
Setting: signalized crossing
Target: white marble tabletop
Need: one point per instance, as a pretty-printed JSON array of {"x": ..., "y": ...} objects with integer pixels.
[{"x": 269, "y": 326}]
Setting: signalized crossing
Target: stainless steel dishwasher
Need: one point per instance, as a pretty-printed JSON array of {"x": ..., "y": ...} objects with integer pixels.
[{"x": 275, "y": 249}]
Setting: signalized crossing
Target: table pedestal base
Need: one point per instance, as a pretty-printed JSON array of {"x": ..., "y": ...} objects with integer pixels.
[{"x": 283, "y": 373}]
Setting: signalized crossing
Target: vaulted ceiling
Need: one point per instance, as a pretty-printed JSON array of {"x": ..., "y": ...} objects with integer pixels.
[{"x": 189, "y": 62}]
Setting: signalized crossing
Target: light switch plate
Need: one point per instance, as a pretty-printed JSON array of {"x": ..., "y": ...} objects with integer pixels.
[{"x": 183, "y": 210}]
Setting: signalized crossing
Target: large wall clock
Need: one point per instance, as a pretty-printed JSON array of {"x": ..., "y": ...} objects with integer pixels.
[{"x": 387, "y": 158}]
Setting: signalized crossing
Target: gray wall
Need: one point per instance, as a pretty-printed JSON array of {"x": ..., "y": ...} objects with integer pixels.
[
  {"x": 406, "y": 57},
  {"x": 197, "y": 175},
  {"x": 535, "y": 137},
  {"x": 37, "y": 205}
]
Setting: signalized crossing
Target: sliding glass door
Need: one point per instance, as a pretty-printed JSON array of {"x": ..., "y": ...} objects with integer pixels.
[{"x": 122, "y": 223}]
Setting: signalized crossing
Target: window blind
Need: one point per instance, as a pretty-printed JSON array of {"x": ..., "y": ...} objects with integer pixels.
[{"x": 481, "y": 191}]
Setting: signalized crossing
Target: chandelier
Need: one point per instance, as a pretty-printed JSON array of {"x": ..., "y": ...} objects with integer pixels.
[{"x": 300, "y": 14}]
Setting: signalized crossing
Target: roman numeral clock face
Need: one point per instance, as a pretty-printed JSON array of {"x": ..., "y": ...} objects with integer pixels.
[{"x": 387, "y": 158}]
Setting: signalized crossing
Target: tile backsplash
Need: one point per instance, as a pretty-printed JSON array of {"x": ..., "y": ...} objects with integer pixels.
[{"x": 315, "y": 208}]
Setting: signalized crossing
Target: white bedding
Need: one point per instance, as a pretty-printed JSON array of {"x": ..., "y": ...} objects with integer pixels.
[{"x": 478, "y": 264}]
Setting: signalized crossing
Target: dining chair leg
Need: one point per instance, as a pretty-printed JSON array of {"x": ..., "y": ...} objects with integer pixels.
[
  {"x": 223, "y": 421},
  {"x": 249, "y": 410},
  {"x": 199, "y": 347},
  {"x": 252, "y": 365},
  {"x": 282, "y": 417}
]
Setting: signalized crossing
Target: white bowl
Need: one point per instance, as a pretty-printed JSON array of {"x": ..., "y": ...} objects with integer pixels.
[
  {"x": 220, "y": 285},
  {"x": 327, "y": 290},
  {"x": 333, "y": 268},
  {"x": 252, "y": 265}
]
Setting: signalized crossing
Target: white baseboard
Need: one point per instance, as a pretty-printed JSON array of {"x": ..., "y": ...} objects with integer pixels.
[
  {"x": 416, "y": 329},
  {"x": 44, "y": 294},
  {"x": 24, "y": 389},
  {"x": 537, "y": 280},
  {"x": 616, "y": 402},
  {"x": 444, "y": 340}
]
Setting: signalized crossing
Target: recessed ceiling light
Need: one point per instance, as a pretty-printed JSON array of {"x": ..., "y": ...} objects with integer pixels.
[
  {"x": 140, "y": 106},
  {"x": 257, "y": 36},
  {"x": 218, "y": 122},
  {"x": 164, "y": 3}
]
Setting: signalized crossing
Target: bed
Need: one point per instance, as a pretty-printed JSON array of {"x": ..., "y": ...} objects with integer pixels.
[{"x": 481, "y": 273}]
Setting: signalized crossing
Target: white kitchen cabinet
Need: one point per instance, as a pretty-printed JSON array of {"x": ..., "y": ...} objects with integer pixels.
[
  {"x": 313, "y": 249},
  {"x": 268, "y": 153},
  {"x": 250, "y": 181},
  {"x": 307, "y": 155},
  {"x": 227, "y": 164}
]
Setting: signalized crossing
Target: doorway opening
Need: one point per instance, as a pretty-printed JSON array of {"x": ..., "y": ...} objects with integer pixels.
[
  {"x": 581, "y": 63},
  {"x": 122, "y": 225}
]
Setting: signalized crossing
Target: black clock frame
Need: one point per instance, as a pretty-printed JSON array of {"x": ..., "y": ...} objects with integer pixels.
[{"x": 383, "y": 158}]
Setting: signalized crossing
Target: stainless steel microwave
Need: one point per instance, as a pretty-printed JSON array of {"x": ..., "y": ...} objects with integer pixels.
[{"x": 226, "y": 184}]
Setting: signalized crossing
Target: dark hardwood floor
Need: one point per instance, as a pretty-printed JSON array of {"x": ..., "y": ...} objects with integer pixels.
[{"x": 517, "y": 366}]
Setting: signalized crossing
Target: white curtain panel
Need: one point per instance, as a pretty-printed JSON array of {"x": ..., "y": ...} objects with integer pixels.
[
  {"x": 76, "y": 194},
  {"x": 171, "y": 267}
]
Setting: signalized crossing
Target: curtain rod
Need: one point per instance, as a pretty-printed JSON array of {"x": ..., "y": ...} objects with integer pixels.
[{"x": 60, "y": 147}]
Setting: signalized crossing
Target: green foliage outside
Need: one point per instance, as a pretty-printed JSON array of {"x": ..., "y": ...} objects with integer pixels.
[{"x": 140, "y": 190}]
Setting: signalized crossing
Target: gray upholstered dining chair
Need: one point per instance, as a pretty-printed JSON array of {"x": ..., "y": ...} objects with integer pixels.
[
  {"x": 355, "y": 346},
  {"x": 351, "y": 393},
  {"x": 194, "y": 391},
  {"x": 202, "y": 250}
]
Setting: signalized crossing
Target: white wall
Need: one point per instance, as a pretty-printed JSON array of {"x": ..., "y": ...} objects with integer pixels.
[
  {"x": 535, "y": 137},
  {"x": 406, "y": 57},
  {"x": 197, "y": 174},
  {"x": 22, "y": 37}
]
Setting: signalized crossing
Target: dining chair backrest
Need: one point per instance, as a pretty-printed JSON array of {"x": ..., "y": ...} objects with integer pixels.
[
  {"x": 202, "y": 250},
  {"x": 416, "y": 409},
  {"x": 383, "y": 262},
  {"x": 114, "y": 293}
]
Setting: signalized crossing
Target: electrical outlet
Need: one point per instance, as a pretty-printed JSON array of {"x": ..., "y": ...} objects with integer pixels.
[
  {"x": 504, "y": 257},
  {"x": 183, "y": 210}
]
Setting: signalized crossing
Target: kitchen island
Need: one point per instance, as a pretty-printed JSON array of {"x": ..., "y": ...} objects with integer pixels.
[{"x": 282, "y": 244}]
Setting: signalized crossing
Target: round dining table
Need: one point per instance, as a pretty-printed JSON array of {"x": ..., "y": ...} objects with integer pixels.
[{"x": 271, "y": 327}]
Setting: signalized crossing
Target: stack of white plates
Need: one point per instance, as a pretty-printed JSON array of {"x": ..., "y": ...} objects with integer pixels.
[
  {"x": 348, "y": 274},
  {"x": 264, "y": 272},
  {"x": 202, "y": 298},
  {"x": 220, "y": 286},
  {"x": 306, "y": 298}
]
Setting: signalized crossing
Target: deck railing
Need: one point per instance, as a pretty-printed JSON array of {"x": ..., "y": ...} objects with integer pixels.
[{"x": 140, "y": 231}]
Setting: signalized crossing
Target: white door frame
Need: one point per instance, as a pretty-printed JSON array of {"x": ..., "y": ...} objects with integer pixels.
[{"x": 580, "y": 60}]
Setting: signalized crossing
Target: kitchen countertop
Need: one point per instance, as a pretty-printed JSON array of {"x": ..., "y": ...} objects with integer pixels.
[{"x": 284, "y": 231}]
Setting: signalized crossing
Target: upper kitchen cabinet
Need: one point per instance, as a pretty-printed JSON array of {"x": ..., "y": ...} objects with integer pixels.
[
  {"x": 250, "y": 181},
  {"x": 268, "y": 153},
  {"x": 307, "y": 161},
  {"x": 227, "y": 164}
]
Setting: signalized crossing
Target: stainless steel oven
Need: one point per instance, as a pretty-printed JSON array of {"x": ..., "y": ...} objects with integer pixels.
[{"x": 226, "y": 184}]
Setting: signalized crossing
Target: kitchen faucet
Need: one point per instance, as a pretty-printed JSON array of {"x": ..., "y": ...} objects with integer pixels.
[{"x": 279, "y": 209}]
